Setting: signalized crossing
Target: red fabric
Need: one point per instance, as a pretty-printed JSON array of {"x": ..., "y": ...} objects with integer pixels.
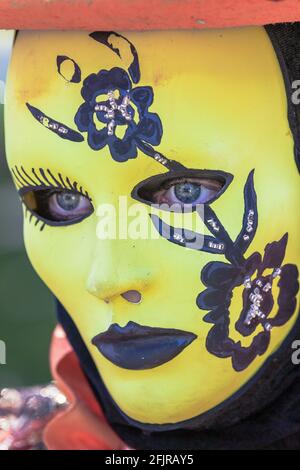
[
  {"x": 82, "y": 426},
  {"x": 144, "y": 15}
]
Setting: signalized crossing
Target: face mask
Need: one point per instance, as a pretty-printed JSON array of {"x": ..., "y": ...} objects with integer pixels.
[{"x": 177, "y": 323}]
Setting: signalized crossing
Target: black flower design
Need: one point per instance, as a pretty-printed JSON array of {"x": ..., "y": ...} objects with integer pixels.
[
  {"x": 110, "y": 101},
  {"x": 258, "y": 301},
  {"x": 113, "y": 113},
  {"x": 256, "y": 274}
]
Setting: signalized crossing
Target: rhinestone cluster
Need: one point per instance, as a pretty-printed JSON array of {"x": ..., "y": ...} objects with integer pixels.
[
  {"x": 53, "y": 125},
  {"x": 250, "y": 223},
  {"x": 178, "y": 237},
  {"x": 216, "y": 246},
  {"x": 213, "y": 225},
  {"x": 160, "y": 159},
  {"x": 256, "y": 297},
  {"x": 112, "y": 109}
]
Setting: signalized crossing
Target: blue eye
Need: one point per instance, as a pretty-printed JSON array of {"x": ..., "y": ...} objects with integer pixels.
[
  {"x": 66, "y": 205},
  {"x": 187, "y": 193},
  {"x": 182, "y": 189},
  {"x": 58, "y": 207},
  {"x": 68, "y": 201}
]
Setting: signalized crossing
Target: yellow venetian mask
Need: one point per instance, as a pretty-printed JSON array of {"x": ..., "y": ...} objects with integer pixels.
[{"x": 174, "y": 328}]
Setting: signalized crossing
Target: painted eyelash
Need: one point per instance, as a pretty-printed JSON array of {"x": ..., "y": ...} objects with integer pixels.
[
  {"x": 32, "y": 215},
  {"x": 43, "y": 179}
]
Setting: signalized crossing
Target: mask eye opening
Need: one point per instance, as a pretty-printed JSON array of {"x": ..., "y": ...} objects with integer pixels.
[
  {"x": 144, "y": 190},
  {"x": 35, "y": 202}
]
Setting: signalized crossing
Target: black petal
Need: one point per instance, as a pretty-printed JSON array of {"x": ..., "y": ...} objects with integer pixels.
[
  {"x": 218, "y": 274},
  {"x": 211, "y": 298},
  {"x": 274, "y": 254}
]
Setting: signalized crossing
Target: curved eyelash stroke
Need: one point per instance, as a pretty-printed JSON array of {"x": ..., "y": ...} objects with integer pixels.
[
  {"x": 38, "y": 220},
  {"x": 41, "y": 179}
]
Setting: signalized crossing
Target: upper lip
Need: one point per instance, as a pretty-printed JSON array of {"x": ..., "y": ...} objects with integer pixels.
[{"x": 139, "y": 347}]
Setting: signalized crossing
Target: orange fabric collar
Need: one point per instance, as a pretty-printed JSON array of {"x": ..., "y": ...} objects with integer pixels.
[{"x": 82, "y": 426}]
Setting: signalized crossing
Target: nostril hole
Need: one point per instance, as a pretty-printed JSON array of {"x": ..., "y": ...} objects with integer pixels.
[{"x": 133, "y": 296}]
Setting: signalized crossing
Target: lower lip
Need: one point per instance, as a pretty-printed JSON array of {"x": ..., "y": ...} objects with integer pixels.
[{"x": 143, "y": 352}]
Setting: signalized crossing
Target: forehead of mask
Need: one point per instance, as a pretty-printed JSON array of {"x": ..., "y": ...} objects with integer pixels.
[{"x": 221, "y": 99}]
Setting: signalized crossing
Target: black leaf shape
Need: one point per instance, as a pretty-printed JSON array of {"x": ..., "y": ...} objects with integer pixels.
[
  {"x": 76, "y": 77},
  {"x": 103, "y": 38},
  {"x": 57, "y": 127}
]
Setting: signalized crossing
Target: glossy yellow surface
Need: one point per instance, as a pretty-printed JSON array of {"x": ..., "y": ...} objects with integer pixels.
[{"x": 221, "y": 98}]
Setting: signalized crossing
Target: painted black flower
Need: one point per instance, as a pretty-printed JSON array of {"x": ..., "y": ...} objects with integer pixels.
[
  {"x": 257, "y": 275},
  {"x": 111, "y": 103}
]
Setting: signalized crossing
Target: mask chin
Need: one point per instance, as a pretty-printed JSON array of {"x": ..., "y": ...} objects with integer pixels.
[{"x": 263, "y": 394}]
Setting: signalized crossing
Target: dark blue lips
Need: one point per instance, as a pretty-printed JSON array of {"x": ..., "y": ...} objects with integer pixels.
[{"x": 139, "y": 347}]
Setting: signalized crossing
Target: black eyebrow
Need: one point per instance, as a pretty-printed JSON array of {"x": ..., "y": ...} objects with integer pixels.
[{"x": 57, "y": 127}]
